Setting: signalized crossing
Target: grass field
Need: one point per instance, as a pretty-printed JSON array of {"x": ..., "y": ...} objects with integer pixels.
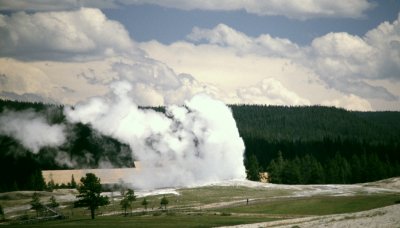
[
  {"x": 202, "y": 207},
  {"x": 164, "y": 220},
  {"x": 318, "y": 205}
]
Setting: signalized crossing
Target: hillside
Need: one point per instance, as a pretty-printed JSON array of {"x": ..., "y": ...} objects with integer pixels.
[
  {"x": 295, "y": 144},
  {"x": 315, "y": 123},
  {"x": 319, "y": 144}
]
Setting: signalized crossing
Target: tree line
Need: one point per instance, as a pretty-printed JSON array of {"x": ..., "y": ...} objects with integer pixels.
[
  {"x": 337, "y": 170},
  {"x": 297, "y": 133},
  {"x": 304, "y": 145}
]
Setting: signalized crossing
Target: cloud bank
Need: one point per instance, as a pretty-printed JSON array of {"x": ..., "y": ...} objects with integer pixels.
[
  {"x": 340, "y": 64},
  {"x": 333, "y": 56},
  {"x": 222, "y": 62},
  {"x": 289, "y": 8},
  {"x": 71, "y": 55}
]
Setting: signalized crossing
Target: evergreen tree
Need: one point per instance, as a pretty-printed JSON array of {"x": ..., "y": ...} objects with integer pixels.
[
  {"x": 356, "y": 169},
  {"x": 14, "y": 186},
  {"x": 89, "y": 194},
  {"x": 36, "y": 204},
  {"x": 164, "y": 201},
  {"x": 376, "y": 167},
  {"x": 291, "y": 173},
  {"x": 276, "y": 168},
  {"x": 311, "y": 170},
  {"x": 339, "y": 170},
  {"x": 53, "y": 202},
  {"x": 37, "y": 181},
  {"x": 50, "y": 185},
  {"x": 130, "y": 195},
  {"x": 126, "y": 202},
  {"x": 2, "y": 213},
  {"x": 73, "y": 183},
  {"x": 145, "y": 203},
  {"x": 318, "y": 174},
  {"x": 253, "y": 168}
]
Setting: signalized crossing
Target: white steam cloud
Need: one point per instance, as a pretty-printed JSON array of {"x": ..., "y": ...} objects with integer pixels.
[
  {"x": 189, "y": 145},
  {"x": 31, "y": 130}
]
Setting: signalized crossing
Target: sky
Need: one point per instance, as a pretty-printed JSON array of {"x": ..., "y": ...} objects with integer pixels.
[{"x": 313, "y": 52}]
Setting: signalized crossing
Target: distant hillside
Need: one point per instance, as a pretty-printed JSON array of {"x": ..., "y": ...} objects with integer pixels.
[
  {"x": 330, "y": 145},
  {"x": 85, "y": 148},
  {"x": 319, "y": 144},
  {"x": 315, "y": 123}
]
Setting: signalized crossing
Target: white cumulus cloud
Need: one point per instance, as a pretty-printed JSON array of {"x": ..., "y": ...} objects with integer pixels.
[
  {"x": 345, "y": 62},
  {"x": 353, "y": 66},
  {"x": 349, "y": 102},
  {"x": 67, "y": 35},
  {"x": 221, "y": 62},
  {"x": 223, "y": 35},
  {"x": 269, "y": 91},
  {"x": 45, "y": 48}
]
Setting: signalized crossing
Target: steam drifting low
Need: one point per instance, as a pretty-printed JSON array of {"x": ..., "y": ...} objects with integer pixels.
[
  {"x": 31, "y": 129},
  {"x": 194, "y": 144}
]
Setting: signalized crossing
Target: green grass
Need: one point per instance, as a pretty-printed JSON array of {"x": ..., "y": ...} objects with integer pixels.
[
  {"x": 321, "y": 205},
  {"x": 192, "y": 208},
  {"x": 178, "y": 220},
  {"x": 215, "y": 194}
]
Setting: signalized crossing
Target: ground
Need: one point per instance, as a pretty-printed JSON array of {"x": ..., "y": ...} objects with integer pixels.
[{"x": 229, "y": 203}]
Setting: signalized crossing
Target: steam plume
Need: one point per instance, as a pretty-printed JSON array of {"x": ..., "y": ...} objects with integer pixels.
[
  {"x": 189, "y": 145},
  {"x": 31, "y": 130}
]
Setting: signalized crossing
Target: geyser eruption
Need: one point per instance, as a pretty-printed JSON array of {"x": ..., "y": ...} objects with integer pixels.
[{"x": 194, "y": 144}]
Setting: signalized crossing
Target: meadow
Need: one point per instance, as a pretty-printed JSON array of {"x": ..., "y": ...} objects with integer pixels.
[{"x": 208, "y": 206}]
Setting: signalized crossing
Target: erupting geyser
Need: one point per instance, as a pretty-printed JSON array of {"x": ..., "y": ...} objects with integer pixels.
[{"x": 194, "y": 144}]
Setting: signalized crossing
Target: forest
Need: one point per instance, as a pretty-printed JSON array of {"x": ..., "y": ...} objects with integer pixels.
[
  {"x": 295, "y": 145},
  {"x": 319, "y": 145}
]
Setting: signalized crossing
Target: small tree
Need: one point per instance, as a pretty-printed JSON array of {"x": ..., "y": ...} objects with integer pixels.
[
  {"x": 126, "y": 202},
  {"x": 51, "y": 185},
  {"x": 145, "y": 203},
  {"x": 89, "y": 194},
  {"x": 53, "y": 202},
  {"x": 73, "y": 183},
  {"x": 130, "y": 195},
  {"x": 2, "y": 213},
  {"x": 36, "y": 204},
  {"x": 164, "y": 202}
]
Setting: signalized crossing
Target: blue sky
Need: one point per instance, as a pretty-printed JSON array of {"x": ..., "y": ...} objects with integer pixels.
[
  {"x": 317, "y": 52},
  {"x": 148, "y": 22}
]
